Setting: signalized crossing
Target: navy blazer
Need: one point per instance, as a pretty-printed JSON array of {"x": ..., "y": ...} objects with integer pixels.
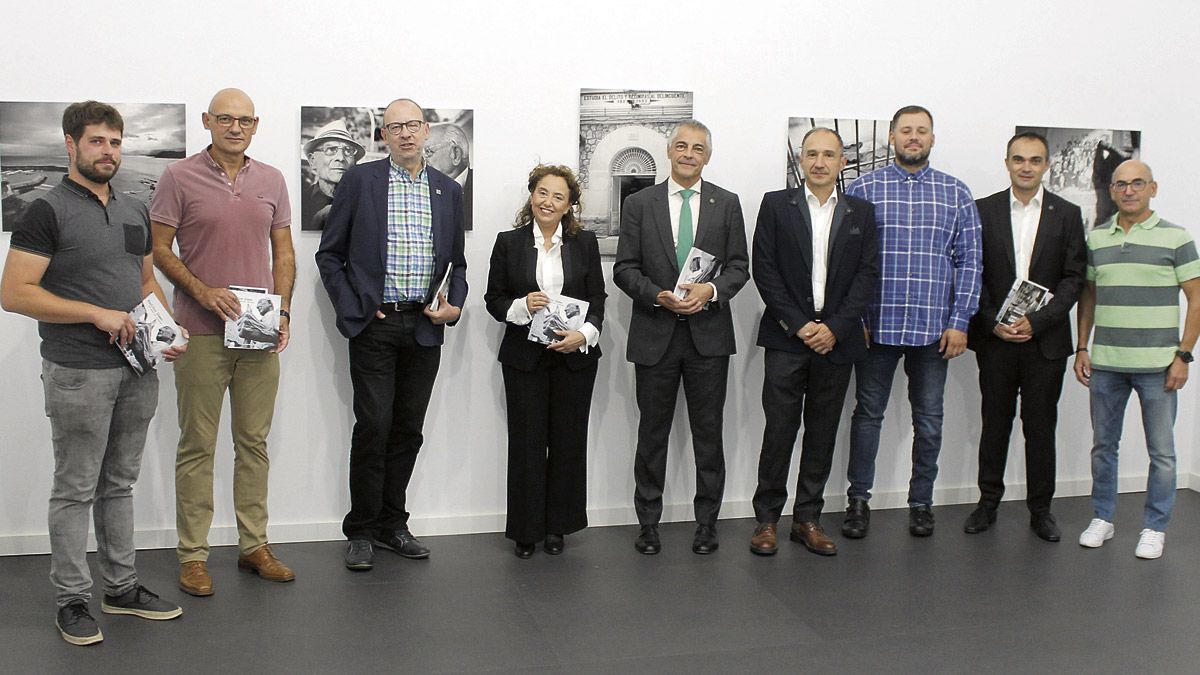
[
  {"x": 353, "y": 248},
  {"x": 782, "y": 270},
  {"x": 1058, "y": 262},
  {"x": 646, "y": 264},
  {"x": 513, "y": 274}
]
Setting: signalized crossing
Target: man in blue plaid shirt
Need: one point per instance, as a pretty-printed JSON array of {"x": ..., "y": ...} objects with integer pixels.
[{"x": 930, "y": 258}]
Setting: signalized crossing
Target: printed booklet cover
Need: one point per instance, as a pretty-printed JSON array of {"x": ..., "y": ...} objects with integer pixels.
[
  {"x": 156, "y": 332},
  {"x": 1023, "y": 298},
  {"x": 257, "y": 327},
  {"x": 699, "y": 268},
  {"x": 562, "y": 313}
]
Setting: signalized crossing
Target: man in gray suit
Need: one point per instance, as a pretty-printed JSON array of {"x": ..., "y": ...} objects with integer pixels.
[{"x": 672, "y": 339}]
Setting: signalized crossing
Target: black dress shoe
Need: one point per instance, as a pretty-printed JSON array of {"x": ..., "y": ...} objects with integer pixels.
[
  {"x": 1044, "y": 526},
  {"x": 554, "y": 544},
  {"x": 706, "y": 540},
  {"x": 359, "y": 555},
  {"x": 980, "y": 519},
  {"x": 920, "y": 520},
  {"x": 523, "y": 551},
  {"x": 858, "y": 519},
  {"x": 404, "y": 543},
  {"x": 648, "y": 542}
]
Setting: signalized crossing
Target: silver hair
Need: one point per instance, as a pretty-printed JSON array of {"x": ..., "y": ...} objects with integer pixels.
[{"x": 691, "y": 124}]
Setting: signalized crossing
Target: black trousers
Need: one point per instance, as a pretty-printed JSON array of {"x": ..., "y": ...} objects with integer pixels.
[
  {"x": 704, "y": 379},
  {"x": 788, "y": 379},
  {"x": 1007, "y": 371},
  {"x": 393, "y": 379},
  {"x": 547, "y": 448}
]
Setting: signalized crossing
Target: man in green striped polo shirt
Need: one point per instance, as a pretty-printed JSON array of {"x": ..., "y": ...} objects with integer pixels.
[{"x": 1137, "y": 264}]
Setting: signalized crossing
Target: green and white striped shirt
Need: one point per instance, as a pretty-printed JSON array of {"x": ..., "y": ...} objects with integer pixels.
[{"x": 1137, "y": 276}]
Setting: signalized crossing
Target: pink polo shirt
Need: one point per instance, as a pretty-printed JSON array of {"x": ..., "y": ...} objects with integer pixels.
[{"x": 223, "y": 229}]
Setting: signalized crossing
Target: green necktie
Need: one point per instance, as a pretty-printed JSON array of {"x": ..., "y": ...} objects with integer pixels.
[{"x": 684, "y": 241}]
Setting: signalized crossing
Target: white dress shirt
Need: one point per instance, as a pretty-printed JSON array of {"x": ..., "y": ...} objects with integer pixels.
[
  {"x": 821, "y": 217},
  {"x": 675, "y": 205},
  {"x": 549, "y": 274},
  {"x": 1025, "y": 221}
]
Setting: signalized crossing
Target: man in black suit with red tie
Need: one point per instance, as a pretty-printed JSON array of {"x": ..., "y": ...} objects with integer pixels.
[
  {"x": 816, "y": 263},
  {"x": 1032, "y": 234},
  {"x": 671, "y": 339}
]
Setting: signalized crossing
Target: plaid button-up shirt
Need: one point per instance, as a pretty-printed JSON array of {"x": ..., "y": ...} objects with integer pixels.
[
  {"x": 409, "y": 266},
  {"x": 930, "y": 254}
]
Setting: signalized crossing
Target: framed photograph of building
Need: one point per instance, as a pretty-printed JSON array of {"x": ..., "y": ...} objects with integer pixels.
[
  {"x": 333, "y": 139},
  {"x": 1082, "y": 162},
  {"x": 33, "y": 154},
  {"x": 865, "y": 143},
  {"x": 623, "y": 136}
]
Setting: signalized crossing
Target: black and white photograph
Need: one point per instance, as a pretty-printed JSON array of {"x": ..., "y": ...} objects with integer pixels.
[
  {"x": 1023, "y": 298},
  {"x": 333, "y": 139},
  {"x": 155, "y": 332},
  {"x": 561, "y": 314},
  {"x": 1082, "y": 162},
  {"x": 700, "y": 267},
  {"x": 257, "y": 327},
  {"x": 33, "y": 152},
  {"x": 865, "y": 143},
  {"x": 623, "y": 135}
]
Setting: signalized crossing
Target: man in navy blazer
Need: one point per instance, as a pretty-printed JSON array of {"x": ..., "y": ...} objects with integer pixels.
[
  {"x": 1028, "y": 233},
  {"x": 816, "y": 263},
  {"x": 672, "y": 339},
  {"x": 394, "y": 228}
]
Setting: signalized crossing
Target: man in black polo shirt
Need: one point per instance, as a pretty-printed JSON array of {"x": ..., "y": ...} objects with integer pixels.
[{"x": 78, "y": 262}]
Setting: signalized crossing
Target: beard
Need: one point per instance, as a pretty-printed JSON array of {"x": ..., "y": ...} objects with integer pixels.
[
  {"x": 916, "y": 158},
  {"x": 90, "y": 172}
]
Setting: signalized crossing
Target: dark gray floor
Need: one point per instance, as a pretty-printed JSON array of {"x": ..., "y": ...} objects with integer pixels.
[{"x": 1002, "y": 601}]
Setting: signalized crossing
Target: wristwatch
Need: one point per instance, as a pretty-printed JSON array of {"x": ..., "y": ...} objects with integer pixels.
[
  {"x": 1186, "y": 357},
  {"x": 285, "y": 314}
]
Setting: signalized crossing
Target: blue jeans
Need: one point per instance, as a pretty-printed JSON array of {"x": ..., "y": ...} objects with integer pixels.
[
  {"x": 1109, "y": 392},
  {"x": 926, "y": 370}
]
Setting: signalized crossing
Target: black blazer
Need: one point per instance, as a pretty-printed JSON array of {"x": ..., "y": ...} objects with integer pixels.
[
  {"x": 1058, "y": 262},
  {"x": 646, "y": 264},
  {"x": 513, "y": 274},
  {"x": 354, "y": 247},
  {"x": 782, "y": 269}
]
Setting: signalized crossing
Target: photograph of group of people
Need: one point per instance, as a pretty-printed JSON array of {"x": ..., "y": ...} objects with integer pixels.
[{"x": 870, "y": 258}]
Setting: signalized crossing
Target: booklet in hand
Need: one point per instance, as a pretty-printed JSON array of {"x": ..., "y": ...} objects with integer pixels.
[
  {"x": 442, "y": 289},
  {"x": 699, "y": 268},
  {"x": 156, "y": 332},
  {"x": 562, "y": 313},
  {"x": 1025, "y": 297},
  {"x": 257, "y": 326}
]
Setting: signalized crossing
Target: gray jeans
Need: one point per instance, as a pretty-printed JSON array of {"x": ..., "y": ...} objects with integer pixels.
[{"x": 98, "y": 421}]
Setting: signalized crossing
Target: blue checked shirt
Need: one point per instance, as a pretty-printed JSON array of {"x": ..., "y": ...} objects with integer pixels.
[
  {"x": 409, "y": 265},
  {"x": 929, "y": 251}
]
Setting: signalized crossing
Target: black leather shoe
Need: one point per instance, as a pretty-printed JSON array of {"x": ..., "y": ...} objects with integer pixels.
[
  {"x": 648, "y": 542},
  {"x": 920, "y": 520},
  {"x": 359, "y": 555},
  {"x": 523, "y": 551},
  {"x": 980, "y": 519},
  {"x": 858, "y": 519},
  {"x": 554, "y": 544},
  {"x": 1044, "y": 526},
  {"x": 706, "y": 540},
  {"x": 404, "y": 543}
]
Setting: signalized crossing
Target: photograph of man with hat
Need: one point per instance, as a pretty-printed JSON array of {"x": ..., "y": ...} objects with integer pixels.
[{"x": 330, "y": 153}]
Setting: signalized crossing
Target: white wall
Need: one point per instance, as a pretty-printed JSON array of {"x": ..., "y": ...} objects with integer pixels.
[{"x": 981, "y": 68}]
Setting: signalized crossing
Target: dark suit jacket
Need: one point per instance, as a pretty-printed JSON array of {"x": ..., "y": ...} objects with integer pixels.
[
  {"x": 1058, "y": 262},
  {"x": 354, "y": 247},
  {"x": 513, "y": 274},
  {"x": 646, "y": 264},
  {"x": 783, "y": 272}
]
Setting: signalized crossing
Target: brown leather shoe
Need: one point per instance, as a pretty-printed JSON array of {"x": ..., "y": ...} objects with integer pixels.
[
  {"x": 194, "y": 579},
  {"x": 813, "y": 537},
  {"x": 763, "y": 541},
  {"x": 263, "y": 562}
]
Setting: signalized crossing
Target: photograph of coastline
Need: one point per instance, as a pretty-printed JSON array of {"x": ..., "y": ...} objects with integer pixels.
[
  {"x": 865, "y": 143},
  {"x": 1082, "y": 162},
  {"x": 33, "y": 156}
]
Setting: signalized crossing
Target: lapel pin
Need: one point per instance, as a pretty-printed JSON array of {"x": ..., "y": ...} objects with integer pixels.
[
  {"x": 712, "y": 200},
  {"x": 438, "y": 190}
]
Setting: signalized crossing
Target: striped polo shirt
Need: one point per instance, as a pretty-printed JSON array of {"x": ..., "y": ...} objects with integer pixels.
[{"x": 1137, "y": 276}]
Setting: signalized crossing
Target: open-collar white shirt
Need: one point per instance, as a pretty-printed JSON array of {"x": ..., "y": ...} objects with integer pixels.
[
  {"x": 820, "y": 216},
  {"x": 1025, "y": 221}
]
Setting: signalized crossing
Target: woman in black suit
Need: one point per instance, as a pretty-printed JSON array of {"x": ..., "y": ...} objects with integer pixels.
[{"x": 548, "y": 388}]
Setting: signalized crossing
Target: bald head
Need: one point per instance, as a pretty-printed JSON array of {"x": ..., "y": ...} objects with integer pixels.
[
  {"x": 1131, "y": 189},
  {"x": 1131, "y": 169},
  {"x": 228, "y": 98},
  {"x": 231, "y": 121}
]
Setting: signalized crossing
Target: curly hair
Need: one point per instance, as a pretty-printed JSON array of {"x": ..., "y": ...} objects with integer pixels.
[{"x": 570, "y": 219}]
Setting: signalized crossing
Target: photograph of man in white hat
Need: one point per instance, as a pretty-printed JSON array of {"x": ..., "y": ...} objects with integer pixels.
[{"x": 330, "y": 153}]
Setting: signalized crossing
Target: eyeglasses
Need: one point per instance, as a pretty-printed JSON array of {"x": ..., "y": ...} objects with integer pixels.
[
  {"x": 331, "y": 150},
  {"x": 433, "y": 148},
  {"x": 413, "y": 127},
  {"x": 1137, "y": 184},
  {"x": 228, "y": 120}
]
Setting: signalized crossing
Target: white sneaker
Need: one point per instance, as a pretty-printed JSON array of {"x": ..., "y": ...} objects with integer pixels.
[
  {"x": 1150, "y": 545},
  {"x": 1098, "y": 531}
]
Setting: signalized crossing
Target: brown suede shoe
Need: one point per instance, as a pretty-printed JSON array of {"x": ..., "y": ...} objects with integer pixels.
[
  {"x": 194, "y": 579},
  {"x": 263, "y": 562},
  {"x": 763, "y": 541},
  {"x": 813, "y": 537}
]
